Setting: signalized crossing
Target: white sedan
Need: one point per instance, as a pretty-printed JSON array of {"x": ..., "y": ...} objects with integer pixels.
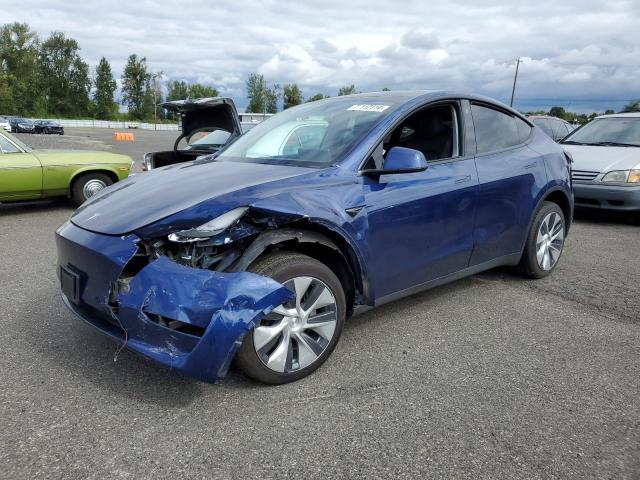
[{"x": 606, "y": 168}]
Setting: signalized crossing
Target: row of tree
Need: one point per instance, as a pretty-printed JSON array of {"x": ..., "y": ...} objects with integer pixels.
[
  {"x": 560, "y": 112},
  {"x": 48, "y": 78},
  {"x": 264, "y": 99}
]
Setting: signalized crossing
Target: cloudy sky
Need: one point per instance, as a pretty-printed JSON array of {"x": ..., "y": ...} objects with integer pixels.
[{"x": 582, "y": 54}]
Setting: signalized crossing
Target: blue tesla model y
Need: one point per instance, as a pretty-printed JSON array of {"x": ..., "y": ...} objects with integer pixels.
[{"x": 258, "y": 253}]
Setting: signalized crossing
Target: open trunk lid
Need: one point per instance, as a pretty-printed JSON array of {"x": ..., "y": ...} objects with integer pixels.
[{"x": 201, "y": 113}]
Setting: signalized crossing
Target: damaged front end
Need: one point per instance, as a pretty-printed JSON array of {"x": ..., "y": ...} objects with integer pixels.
[{"x": 163, "y": 300}]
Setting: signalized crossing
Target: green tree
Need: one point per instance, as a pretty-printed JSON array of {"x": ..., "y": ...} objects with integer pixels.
[
  {"x": 6, "y": 92},
  {"x": 632, "y": 106},
  {"x": 105, "y": 108},
  {"x": 316, "y": 97},
  {"x": 256, "y": 93},
  {"x": 291, "y": 96},
  {"x": 609, "y": 112},
  {"x": 180, "y": 90},
  {"x": 65, "y": 77},
  {"x": 262, "y": 99},
  {"x": 20, "y": 80},
  {"x": 197, "y": 90},
  {"x": 177, "y": 90},
  {"x": 347, "y": 90},
  {"x": 386, "y": 89},
  {"x": 557, "y": 112},
  {"x": 272, "y": 94},
  {"x": 136, "y": 81}
]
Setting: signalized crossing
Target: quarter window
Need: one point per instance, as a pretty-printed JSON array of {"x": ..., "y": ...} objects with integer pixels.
[
  {"x": 495, "y": 130},
  {"x": 524, "y": 129},
  {"x": 7, "y": 147}
]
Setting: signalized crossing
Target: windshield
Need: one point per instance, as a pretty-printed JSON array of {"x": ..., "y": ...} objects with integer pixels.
[
  {"x": 315, "y": 134},
  {"x": 21, "y": 144},
  {"x": 608, "y": 131}
]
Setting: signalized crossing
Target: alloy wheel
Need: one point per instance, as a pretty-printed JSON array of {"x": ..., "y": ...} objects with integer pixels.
[
  {"x": 549, "y": 241},
  {"x": 294, "y": 335}
]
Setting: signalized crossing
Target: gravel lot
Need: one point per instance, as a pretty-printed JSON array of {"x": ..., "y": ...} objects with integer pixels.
[{"x": 491, "y": 377}]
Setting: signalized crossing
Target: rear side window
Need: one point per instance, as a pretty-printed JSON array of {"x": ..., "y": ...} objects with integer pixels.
[{"x": 495, "y": 130}]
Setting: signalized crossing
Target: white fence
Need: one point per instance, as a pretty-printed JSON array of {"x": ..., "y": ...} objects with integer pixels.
[
  {"x": 112, "y": 124},
  {"x": 248, "y": 121}
]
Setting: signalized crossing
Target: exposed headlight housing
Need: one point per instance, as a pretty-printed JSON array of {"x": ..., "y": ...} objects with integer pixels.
[
  {"x": 622, "y": 176},
  {"x": 209, "y": 229}
]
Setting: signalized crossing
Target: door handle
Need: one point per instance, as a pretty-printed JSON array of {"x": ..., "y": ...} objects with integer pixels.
[
  {"x": 531, "y": 165},
  {"x": 463, "y": 179}
]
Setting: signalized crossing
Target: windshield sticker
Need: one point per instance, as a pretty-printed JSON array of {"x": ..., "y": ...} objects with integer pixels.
[{"x": 368, "y": 108}]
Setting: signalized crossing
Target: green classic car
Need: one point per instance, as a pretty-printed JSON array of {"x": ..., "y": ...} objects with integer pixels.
[{"x": 27, "y": 174}]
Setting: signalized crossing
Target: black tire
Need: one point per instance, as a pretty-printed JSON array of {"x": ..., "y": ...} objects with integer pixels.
[
  {"x": 77, "y": 189},
  {"x": 282, "y": 267},
  {"x": 528, "y": 263}
]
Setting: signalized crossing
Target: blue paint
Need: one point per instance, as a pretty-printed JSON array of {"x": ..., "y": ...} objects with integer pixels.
[
  {"x": 408, "y": 229},
  {"x": 225, "y": 305},
  {"x": 400, "y": 158}
]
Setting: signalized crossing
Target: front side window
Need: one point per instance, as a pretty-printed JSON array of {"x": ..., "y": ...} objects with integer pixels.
[
  {"x": 432, "y": 130},
  {"x": 613, "y": 131},
  {"x": 495, "y": 130}
]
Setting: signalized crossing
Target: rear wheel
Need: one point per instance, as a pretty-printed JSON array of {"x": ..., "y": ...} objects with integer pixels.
[
  {"x": 545, "y": 242},
  {"x": 87, "y": 185},
  {"x": 298, "y": 336}
]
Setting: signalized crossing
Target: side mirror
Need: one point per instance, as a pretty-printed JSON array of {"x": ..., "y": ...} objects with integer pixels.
[{"x": 400, "y": 160}]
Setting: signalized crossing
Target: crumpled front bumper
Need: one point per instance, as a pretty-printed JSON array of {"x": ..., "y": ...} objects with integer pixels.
[{"x": 221, "y": 307}]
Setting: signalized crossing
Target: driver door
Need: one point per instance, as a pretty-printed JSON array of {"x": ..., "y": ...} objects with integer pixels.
[
  {"x": 20, "y": 173},
  {"x": 421, "y": 224}
]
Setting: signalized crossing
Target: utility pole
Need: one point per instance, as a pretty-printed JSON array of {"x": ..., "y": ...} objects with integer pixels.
[
  {"x": 154, "y": 79},
  {"x": 515, "y": 79}
]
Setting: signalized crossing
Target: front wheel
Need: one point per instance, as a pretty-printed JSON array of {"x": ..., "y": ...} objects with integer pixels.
[
  {"x": 87, "y": 185},
  {"x": 298, "y": 336},
  {"x": 545, "y": 242}
]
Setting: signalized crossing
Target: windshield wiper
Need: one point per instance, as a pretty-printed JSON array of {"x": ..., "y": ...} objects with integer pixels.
[
  {"x": 571, "y": 142},
  {"x": 613, "y": 144}
]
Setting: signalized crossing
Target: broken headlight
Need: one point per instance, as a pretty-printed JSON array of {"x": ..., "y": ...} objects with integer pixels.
[{"x": 209, "y": 229}]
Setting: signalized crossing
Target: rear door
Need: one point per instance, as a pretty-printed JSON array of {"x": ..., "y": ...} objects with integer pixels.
[
  {"x": 20, "y": 172},
  {"x": 510, "y": 175}
]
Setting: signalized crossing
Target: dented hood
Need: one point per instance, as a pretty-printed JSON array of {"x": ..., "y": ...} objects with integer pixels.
[
  {"x": 206, "y": 113},
  {"x": 141, "y": 200}
]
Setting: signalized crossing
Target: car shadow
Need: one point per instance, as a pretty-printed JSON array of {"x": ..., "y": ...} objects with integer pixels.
[
  {"x": 66, "y": 341},
  {"x": 32, "y": 206},
  {"x": 606, "y": 216}
]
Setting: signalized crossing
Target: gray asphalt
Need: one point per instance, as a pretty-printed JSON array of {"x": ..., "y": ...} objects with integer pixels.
[{"x": 490, "y": 377}]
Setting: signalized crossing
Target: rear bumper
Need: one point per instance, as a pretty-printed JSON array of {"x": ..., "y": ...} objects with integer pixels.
[
  {"x": 213, "y": 310},
  {"x": 610, "y": 197}
]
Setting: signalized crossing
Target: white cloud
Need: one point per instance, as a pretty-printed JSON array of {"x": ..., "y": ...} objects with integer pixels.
[{"x": 574, "y": 50}]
